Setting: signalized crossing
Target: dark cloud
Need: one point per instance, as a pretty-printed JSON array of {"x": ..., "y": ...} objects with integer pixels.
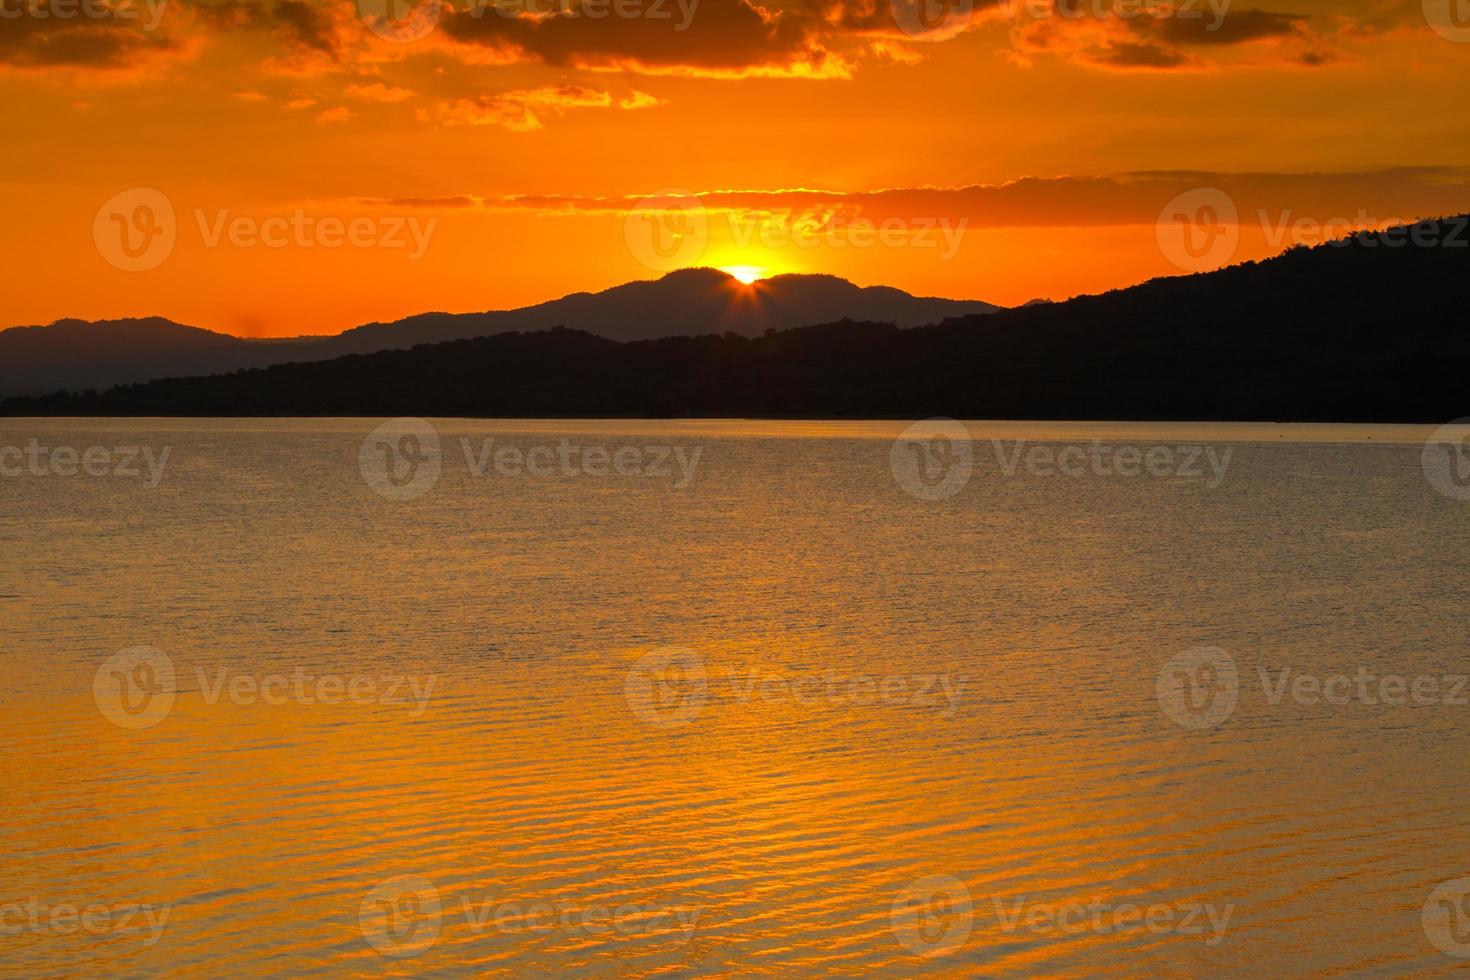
[
  {"x": 1234, "y": 27},
  {"x": 714, "y": 35},
  {"x": 304, "y": 24},
  {"x": 1191, "y": 37},
  {"x": 1127, "y": 54},
  {"x": 117, "y": 41},
  {"x": 1122, "y": 199}
]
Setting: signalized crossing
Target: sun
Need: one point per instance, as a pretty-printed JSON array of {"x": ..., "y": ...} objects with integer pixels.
[{"x": 745, "y": 273}]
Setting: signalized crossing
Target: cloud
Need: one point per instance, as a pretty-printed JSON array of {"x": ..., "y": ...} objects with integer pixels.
[
  {"x": 377, "y": 92},
  {"x": 1166, "y": 35},
  {"x": 719, "y": 38},
  {"x": 305, "y": 25},
  {"x": 334, "y": 116},
  {"x": 123, "y": 38},
  {"x": 1064, "y": 202},
  {"x": 641, "y": 100},
  {"x": 523, "y": 110}
]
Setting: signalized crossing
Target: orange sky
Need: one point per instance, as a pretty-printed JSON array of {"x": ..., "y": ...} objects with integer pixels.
[{"x": 273, "y": 167}]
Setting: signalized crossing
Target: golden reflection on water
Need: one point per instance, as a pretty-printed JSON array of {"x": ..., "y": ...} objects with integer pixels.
[{"x": 658, "y": 740}]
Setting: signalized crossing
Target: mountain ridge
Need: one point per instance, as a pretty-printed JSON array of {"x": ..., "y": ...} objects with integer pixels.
[
  {"x": 1356, "y": 332},
  {"x": 66, "y": 355}
]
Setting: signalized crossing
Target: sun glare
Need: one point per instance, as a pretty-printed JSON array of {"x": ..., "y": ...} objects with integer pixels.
[{"x": 745, "y": 273}]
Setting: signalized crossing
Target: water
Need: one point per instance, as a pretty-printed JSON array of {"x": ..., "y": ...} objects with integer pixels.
[{"x": 787, "y": 719}]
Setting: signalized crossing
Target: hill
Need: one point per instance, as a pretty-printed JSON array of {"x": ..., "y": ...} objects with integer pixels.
[
  {"x": 1371, "y": 329},
  {"x": 77, "y": 355}
]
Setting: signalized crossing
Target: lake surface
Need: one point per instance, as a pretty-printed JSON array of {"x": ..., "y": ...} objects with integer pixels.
[{"x": 664, "y": 699}]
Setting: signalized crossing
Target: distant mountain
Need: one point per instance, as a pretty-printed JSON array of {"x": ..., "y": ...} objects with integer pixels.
[
  {"x": 683, "y": 303},
  {"x": 77, "y": 355},
  {"x": 1370, "y": 330}
]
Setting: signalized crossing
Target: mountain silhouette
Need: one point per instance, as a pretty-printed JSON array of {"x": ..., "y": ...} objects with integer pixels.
[
  {"x": 1371, "y": 329},
  {"x": 77, "y": 355}
]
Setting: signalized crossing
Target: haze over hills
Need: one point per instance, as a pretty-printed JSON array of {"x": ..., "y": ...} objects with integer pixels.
[
  {"x": 78, "y": 355},
  {"x": 1370, "y": 329}
]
